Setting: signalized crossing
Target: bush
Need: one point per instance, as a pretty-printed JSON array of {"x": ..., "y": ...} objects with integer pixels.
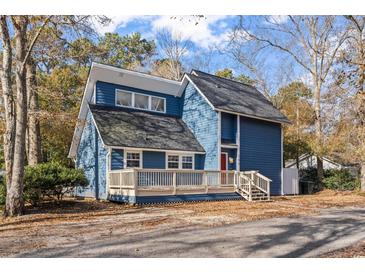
[
  {"x": 51, "y": 180},
  {"x": 333, "y": 179},
  {"x": 309, "y": 174},
  {"x": 340, "y": 180}
]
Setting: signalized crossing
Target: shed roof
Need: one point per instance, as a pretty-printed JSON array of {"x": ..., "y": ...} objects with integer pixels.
[
  {"x": 121, "y": 127},
  {"x": 233, "y": 96}
]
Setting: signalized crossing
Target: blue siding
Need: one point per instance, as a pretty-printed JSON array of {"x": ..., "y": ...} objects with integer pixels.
[
  {"x": 261, "y": 149},
  {"x": 203, "y": 122},
  {"x": 199, "y": 161},
  {"x": 154, "y": 159},
  {"x": 105, "y": 95},
  {"x": 228, "y": 128},
  {"x": 117, "y": 159},
  {"x": 233, "y": 154},
  {"x": 91, "y": 157}
]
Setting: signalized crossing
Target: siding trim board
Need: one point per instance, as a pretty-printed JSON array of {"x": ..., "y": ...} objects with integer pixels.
[
  {"x": 251, "y": 116},
  {"x": 157, "y": 150}
]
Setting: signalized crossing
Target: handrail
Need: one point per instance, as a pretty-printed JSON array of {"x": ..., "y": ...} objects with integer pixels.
[{"x": 253, "y": 178}]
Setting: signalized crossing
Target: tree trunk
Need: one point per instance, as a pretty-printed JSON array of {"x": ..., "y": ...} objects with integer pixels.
[
  {"x": 15, "y": 193},
  {"x": 8, "y": 99},
  {"x": 318, "y": 127},
  {"x": 362, "y": 176},
  {"x": 34, "y": 138}
]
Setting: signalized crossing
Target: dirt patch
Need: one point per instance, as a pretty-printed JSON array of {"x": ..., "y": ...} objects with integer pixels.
[
  {"x": 356, "y": 251},
  {"x": 76, "y": 221}
]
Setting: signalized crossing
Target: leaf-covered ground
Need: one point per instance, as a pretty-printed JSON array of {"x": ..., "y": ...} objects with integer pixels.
[
  {"x": 356, "y": 251},
  {"x": 71, "y": 220}
]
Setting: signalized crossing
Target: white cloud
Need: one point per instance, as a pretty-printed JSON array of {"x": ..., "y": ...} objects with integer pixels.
[
  {"x": 202, "y": 32},
  {"x": 278, "y": 19},
  {"x": 199, "y": 32},
  {"x": 116, "y": 22}
]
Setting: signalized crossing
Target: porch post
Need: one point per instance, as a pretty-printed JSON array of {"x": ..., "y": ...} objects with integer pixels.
[
  {"x": 174, "y": 183},
  {"x": 135, "y": 180},
  {"x": 205, "y": 181}
]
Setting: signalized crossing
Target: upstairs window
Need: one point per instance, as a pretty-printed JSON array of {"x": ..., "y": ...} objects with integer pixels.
[
  {"x": 124, "y": 98},
  {"x": 157, "y": 104},
  {"x": 140, "y": 101}
]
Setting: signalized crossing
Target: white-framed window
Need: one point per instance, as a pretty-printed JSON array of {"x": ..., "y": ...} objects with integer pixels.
[
  {"x": 187, "y": 162},
  {"x": 141, "y": 101},
  {"x": 173, "y": 161},
  {"x": 180, "y": 161},
  {"x": 130, "y": 99},
  {"x": 124, "y": 98},
  {"x": 133, "y": 159},
  {"x": 158, "y": 104}
]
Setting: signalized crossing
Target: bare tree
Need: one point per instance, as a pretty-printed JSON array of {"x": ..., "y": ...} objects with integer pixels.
[
  {"x": 174, "y": 47},
  {"x": 313, "y": 42}
]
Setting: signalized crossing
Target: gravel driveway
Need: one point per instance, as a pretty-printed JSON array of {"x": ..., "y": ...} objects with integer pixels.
[{"x": 306, "y": 236}]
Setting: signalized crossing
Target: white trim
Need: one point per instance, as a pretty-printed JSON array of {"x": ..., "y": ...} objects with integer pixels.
[
  {"x": 229, "y": 146},
  {"x": 132, "y": 151},
  {"x": 79, "y": 124},
  {"x": 94, "y": 95},
  {"x": 108, "y": 168},
  {"x": 133, "y": 100},
  {"x": 155, "y": 149},
  {"x": 219, "y": 139},
  {"x": 220, "y": 159},
  {"x": 200, "y": 92},
  {"x": 238, "y": 141},
  {"x": 180, "y": 155},
  {"x": 282, "y": 161},
  {"x": 251, "y": 116},
  {"x": 132, "y": 72}
]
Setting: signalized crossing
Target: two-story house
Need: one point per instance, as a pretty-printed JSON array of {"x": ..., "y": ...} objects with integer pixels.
[{"x": 144, "y": 139}]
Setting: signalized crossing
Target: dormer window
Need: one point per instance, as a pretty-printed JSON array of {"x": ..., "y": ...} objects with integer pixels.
[
  {"x": 124, "y": 98},
  {"x": 140, "y": 101}
]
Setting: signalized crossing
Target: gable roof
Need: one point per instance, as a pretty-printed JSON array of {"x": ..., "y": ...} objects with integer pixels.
[
  {"x": 121, "y": 127},
  {"x": 232, "y": 96}
]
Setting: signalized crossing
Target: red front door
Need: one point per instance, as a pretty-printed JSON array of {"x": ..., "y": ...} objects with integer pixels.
[{"x": 223, "y": 161}]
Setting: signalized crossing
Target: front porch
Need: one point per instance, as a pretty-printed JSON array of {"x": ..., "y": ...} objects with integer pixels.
[{"x": 160, "y": 185}]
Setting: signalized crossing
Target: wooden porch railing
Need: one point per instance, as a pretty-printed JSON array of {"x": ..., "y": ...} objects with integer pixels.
[
  {"x": 152, "y": 179},
  {"x": 249, "y": 184}
]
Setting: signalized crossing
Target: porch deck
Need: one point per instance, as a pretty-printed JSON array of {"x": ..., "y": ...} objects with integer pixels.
[{"x": 160, "y": 185}]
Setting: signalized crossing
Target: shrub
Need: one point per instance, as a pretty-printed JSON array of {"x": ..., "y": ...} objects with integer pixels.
[
  {"x": 51, "y": 180},
  {"x": 309, "y": 174},
  {"x": 340, "y": 180}
]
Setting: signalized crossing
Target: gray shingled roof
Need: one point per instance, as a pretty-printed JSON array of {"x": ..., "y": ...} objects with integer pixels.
[
  {"x": 132, "y": 128},
  {"x": 234, "y": 96}
]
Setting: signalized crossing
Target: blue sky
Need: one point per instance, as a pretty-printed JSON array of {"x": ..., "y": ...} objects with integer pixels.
[{"x": 210, "y": 34}]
